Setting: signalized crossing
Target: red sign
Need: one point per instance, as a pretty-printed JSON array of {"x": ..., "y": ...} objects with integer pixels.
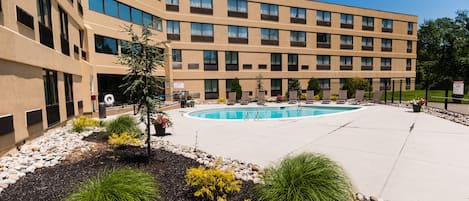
[{"x": 93, "y": 97}]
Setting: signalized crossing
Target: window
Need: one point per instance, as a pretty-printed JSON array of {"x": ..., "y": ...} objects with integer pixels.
[
  {"x": 211, "y": 89},
  {"x": 68, "y": 82},
  {"x": 386, "y": 63},
  {"x": 370, "y": 80},
  {"x": 298, "y": 15},
  {"x": 276, "y": 87},
  {"x": 24, "y": 17},
  {"x": 124, "y": 12},
  {"x": 342, "y": 82},
  {"x": 323, "y": 18},
  {"x": 323, "y": 40},
  {"x": 105, "y": 45},
  {"x": 240, "y": 6},
  {"x": 96, "y": 5},
  {"x": 292, "y": 62},
  {"x": 228, "y": 86},
  {"x": 110, "y": 8},
  {"x": 323, "y": 62},
  {"x": 231, "y": 60},
  {"x": 407, "y": 83},
  {"x": 409, "y": 46},
  {"x": 45, "y": 23},
  {"x": 201, "y": 4},
  {"x": 410, "y": 28},
  {"x": 368, "y": 23},
  {"x": 346, "y": 63},
  {"x": 298, "y": 38},
  {"x": 269, "y": 12},
  {"x": 137, "y": 16},
  {"x": 408, "y": 66},
  {"x": 172, "y": 2},
  {"x": 276, "y": 62},
  {"x": 387, "y": 25},
  {"x": 367, "y": 43},
  {"x": 269, "y": 36},
  {"x": 324, "y": 83},
  {"x": 346, "y": 42},
  {"x": 50, "y": 87},
  {"x": 64, "y": 32},
  {"x": 202, "y": 32},
  {"x": 346, "y": 21},
  {"x": 367, "y": 63},
  {"x": 384, "y": 83},
  {"x": 177, "y": 55},
  {"x": 210, "y": 60},
  {"x": 386, "y": 45},
  {"x": 172, "y": 5},
  {"x": 172, "y": 29},
  {"x": 237, "y": 32}
]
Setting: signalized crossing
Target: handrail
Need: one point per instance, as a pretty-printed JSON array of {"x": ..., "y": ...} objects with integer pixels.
[{"x": 246, "y": 117}]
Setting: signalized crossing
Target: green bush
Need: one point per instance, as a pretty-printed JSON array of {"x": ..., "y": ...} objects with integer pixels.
[
  {"x": 354, "y": 84},
  {"x": 123, "y": 124},
  {"x": 81, "y": 123},
  {"x": 236, "y": 87},
  {"x": 305, "y": 177},
  {"x": 118, "y": 184},
  {"x": 212, "y": 183},
  {"x": 313, "y": 84}
]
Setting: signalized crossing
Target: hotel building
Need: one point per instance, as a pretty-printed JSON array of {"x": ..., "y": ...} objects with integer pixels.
[{"x": 56, "y": 56}]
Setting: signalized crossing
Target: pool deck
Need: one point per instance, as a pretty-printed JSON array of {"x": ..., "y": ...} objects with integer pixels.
[{"x": 387, "y": 151}]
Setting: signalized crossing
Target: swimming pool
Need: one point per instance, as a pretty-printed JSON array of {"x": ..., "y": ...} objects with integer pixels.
[{"x": 240, "y": 113}]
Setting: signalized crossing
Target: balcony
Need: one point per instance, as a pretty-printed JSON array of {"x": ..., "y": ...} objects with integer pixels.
[
  {"x": 385, "y": 68},
  {"x": 297, "y": 20},
  {"x": 232, "y": 67},
  {"x": 346, "y": 47},
  {"x": 346, "y": 67},
  {"x": 323, "y": 67},
  {"x": 346, "y": 26},
  {"x": 386, "y": 30},
  {"x": 206, "y": 39},
  {"x": 204, "y": 11},
  {"x": 386, "y": 49},
  {"x": 367, "y": 67},
  {"x": 298, "y": 43},
  {"x": 275, "y": 67},
  {"x": 323, "y": 45},
  {"x": 46, "y": 36},
  {"x": 269, "y": 17},
  {"x": 173, "y": 36},
  {"x": 367, "y": 48},
  {"x": 170, "y": 7},
  {"x": 368, "y": 28},
  {"x": 269, "y": 42},
  {"x": 64, "y": 44},
  {"x": 238, "y": 40},
  {"x": 237, "y": 14},
  {"x": 323, "y": 23},
  {"x": 211, "y": 67},
  {"x": 292, "y": 67}
]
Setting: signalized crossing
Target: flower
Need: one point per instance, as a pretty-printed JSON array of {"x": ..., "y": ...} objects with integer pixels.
[
  {"x": 419, "y": 102},
  {"x": 161, "y": 119}
]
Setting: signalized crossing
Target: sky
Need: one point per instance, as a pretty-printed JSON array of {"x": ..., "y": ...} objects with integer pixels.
[{"x": 424, "y": 9}]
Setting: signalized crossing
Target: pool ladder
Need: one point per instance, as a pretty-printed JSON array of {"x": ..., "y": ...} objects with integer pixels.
[{"x": 256, "y": 117}]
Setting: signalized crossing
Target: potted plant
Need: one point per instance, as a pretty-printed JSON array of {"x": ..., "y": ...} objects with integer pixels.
[
  {"x": 417, "y": 104},
  {"x": 279, "y": 98},
  {"x": 161, "y": 121}
]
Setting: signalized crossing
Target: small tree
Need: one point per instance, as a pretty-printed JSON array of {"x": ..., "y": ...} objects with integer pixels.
[
  {"x": 354, "y": 84},
  {"x": 143, "y": 57},
  {"x": 294, "y": 85},
  {"x": 236, "y": 87},
  {"x": 313, "y": 84}
]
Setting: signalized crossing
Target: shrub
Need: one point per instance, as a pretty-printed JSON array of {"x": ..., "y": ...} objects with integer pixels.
[
  {"x": 334, "y": 97},
  {"x": 303, "y": 96},
  {"x": 317, "y": 97},
  {"x": 123, "y": 124},
  {"x": 212, "y": 183},
  {"x": 313, "y": 84},
  {"x": 221, "y": 100},
  {"x": 305, "y": 177},
  {"x": 236, "y": 87},
  {"x": 356, "y": 83},
  {"x": 81, "y": 123},
  {"x": 123, "y": 140},
  {"x": 118, "y": 184}
]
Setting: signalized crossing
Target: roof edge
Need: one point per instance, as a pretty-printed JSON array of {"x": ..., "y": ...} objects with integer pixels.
[{"x": 365, "y": 8}]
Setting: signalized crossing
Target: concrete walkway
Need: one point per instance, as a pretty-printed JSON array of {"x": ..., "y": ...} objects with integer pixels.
[{"x": 387, "y": 151}]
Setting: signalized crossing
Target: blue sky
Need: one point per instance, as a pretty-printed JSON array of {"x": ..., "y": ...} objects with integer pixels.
[{"x": 425, "y": 9}]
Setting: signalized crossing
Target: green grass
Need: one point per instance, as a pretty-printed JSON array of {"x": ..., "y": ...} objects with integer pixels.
[
  {"x": 411, "y": 95},
  {"x": 305, "y": 177},
  {"x": 123, "y": 124},
  {"x": 118, "y": 184}
]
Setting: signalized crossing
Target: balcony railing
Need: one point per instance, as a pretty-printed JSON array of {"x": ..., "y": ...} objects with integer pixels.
[
  {"x": 269, "y": 42},
  {"x": 238, "y": 40},
  {"x": 323, "y": 23},
  {"x": 269, "y": 17},
  {"x": 237, "y": 14},
  {"x": 298, "y": 20},
  {"x": 201, "y": 38}
]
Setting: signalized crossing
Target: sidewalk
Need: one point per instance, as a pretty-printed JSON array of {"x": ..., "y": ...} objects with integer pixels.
[{"x": 453, "y": 107}]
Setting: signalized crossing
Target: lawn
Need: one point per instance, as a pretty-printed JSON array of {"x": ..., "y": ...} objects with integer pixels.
[{"x": 411, "y": 95}]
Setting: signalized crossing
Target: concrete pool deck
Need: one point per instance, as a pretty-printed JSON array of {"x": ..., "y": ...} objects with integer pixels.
[{"x": 387, "y": 151}]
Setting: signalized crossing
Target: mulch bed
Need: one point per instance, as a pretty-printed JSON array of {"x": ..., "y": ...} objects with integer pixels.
[{"x": 55, "y": 183}]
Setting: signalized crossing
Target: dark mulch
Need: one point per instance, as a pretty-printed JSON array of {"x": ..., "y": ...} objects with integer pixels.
[{"x": 57, "y": 182}]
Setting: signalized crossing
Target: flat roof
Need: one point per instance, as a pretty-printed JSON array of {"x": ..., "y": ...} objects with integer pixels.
[{"x": 365, "y": 8}]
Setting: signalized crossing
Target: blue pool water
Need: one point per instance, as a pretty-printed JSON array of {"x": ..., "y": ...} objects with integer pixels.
[{"x": 239, "y": 113}]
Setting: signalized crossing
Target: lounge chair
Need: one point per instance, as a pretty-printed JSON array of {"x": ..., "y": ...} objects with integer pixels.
[
  {"x": 292, "y": 97},
  {"x": 377, "y": 97},
  {"x": 261, "y": 98},
  {"x": 326, "y": 97},
  {"x": 310, "y": 97},
  {"x": 244, "y": 98},
  {"x": 359, "y": 94},
  {"x": 342, "y": 97},
  {"x": 231, "y": 98}
]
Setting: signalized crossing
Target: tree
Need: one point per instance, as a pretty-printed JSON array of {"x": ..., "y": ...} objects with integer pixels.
[
  {"x": 313, "y": 84},
  {"x": 354, "y": 84},
  {"x": 143, "y": 56},
  {"x": 236, "y": 87},
  {"x": 294, "y": 85}
]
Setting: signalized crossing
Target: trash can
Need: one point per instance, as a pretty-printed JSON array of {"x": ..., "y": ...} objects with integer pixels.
[{"x": 102, "y": 111}]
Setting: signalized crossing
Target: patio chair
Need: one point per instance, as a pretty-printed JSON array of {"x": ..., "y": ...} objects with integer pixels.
[
  {"x": 261, "y": 98},
  {"x": 326, "y": 97},
  {"x": 292, "y": 97},
  {"x": 377, "y": 97},
  {"x": 359, "y": 94},
  {"x": 244, "y": 98},
  {"x": 310, "y": 97},
  {"x": 342, "y": 97},
  {"x": 231, "y": 98}
]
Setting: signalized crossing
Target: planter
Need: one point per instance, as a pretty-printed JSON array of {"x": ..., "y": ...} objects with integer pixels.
[
  {"x": 160, "y": 131},
  {"x": 417, "y": 108}
]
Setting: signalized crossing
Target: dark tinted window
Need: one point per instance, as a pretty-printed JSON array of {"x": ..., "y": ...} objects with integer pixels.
[
  {"x": 137, "y": 16},
  {"x": 110, "y": 7},
  {"x": 124, "y": 12},
  {"x": 105, "y": 45}
]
